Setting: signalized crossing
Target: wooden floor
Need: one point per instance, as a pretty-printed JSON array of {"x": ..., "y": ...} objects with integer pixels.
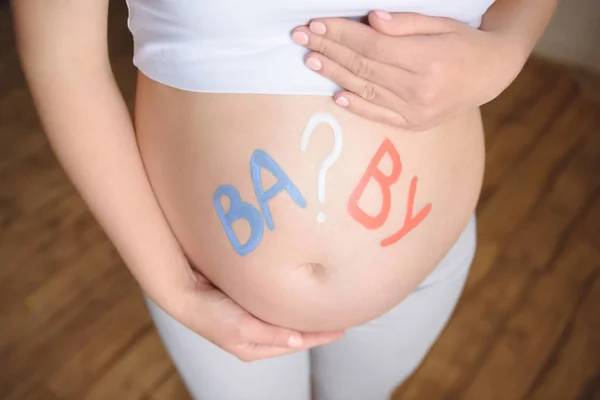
[{"x": 73, "y": 325}]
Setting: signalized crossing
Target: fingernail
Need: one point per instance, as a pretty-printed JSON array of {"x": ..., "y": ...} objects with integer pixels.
[
  {"x": 342, "y": 101},
  {"x": 317, "y": 27},
  {"x": 295, "y": 341},
  {"x": 313, "y": 63},
  {"x": 386, "y": 16},
  {"x": 300, "y": 38}
]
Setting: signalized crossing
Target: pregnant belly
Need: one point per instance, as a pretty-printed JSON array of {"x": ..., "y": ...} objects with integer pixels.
[{"x": 306, "y": 215}]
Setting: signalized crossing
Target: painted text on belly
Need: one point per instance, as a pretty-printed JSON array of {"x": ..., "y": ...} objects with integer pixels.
[{"x": 239, "y": 209}]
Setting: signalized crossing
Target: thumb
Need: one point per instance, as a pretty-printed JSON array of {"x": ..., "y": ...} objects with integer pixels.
[
  {"x": 262, "y": 333},
  {"x": 406, "y": 24}
]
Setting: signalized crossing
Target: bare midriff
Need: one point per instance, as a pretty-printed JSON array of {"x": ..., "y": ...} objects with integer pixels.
[{"x": 241, "y": 195}]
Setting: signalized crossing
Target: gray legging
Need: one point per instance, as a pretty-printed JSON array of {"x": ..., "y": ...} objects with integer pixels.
[{"x": 368, "y": 363}]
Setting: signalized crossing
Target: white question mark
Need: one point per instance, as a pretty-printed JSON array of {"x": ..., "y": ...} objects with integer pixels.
[{"x": 312, "y": 123}]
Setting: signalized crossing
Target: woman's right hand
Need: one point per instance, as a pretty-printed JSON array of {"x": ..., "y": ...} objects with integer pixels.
[
  {"x": 89, "y": 127},
  {"x": 213, "y": 315}
]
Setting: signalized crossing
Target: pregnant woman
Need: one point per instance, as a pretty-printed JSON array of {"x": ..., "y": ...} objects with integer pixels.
[{"x": 295, "y": 173}]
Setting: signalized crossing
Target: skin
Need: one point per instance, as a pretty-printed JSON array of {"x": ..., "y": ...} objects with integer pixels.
[
  {"x": 191, "y": 146},
  {"x": 242, "y": 210},
  {"x": 411, "y": 220},
  {"x": 414, "y": 71},
  {"x": 63, "y": 49}
]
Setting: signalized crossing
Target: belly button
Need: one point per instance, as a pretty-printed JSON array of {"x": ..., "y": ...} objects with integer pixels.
[{"x": 316, "y": 270}]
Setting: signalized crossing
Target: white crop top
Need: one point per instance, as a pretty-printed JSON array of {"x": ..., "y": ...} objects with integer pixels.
[{"x": 245, "y": 46}]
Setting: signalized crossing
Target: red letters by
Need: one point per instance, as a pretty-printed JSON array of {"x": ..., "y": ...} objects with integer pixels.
[
  {"x": 410, "y": 222},
  {"x": 385, "y": 182}
]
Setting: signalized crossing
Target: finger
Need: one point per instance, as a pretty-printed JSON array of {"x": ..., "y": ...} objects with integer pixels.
[
  {"x": 360, "y": 65},
  {"x": 313, "y": 339},
  {"x": 368, "y": 90},
  {"x": 373, "y": 112},
  {"x": 256, "y": 351},
  {"x": 258, "y": 332},
  {"x": 406, "y": 24},
  {"x": 354, "y": 62},
  {"x": 360, "y": 38},
  {"x": 252, "y": 352}
]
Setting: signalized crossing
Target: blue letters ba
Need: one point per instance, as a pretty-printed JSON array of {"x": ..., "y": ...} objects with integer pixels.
[
  {"x": 259, "y": 160},
  {"x": 238, "y": 209}
]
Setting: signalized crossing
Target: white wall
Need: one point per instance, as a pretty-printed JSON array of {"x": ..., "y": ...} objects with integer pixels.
[{"x": 573, "y": 36}]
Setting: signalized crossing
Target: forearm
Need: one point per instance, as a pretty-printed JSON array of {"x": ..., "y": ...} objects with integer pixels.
[
  {"x": 90, "y": 131},
  {"x": 521, "y": 21},
  {"x": 89, "y": 128}
]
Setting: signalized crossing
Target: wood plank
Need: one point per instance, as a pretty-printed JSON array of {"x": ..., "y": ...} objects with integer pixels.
[
  {"x": 486, "y": 254},
  {"x": 84, "y": 347},
  {"x": 11, "y": 154},
  {"x": 30, "y": 180},
  {"x": 172, "y": 388},
  {"x": 11, "y": 76},
  {"x": 591, "y": 389},
  {"x": 532, "y": 331},
  {"x": 35, "y": 392},
  {"x": 491, "y": 298},
  {"x": 457, "y": 353},
  {"x": 514, "y": 139},
  {"x": 37, "y": 200},
  {"x": 16, "y": 147},
  {"x": 102, "y": 352},
  {"x": 60, "y": 291},
  {"x": 575, "y": 186},
  {"x": 136, "y": 372},
  {"x": 550, "y": 218},
  {"x": 64, "y": 230},
  {"x": 532, "y": 83},
  {"x": 20, "y": 133},
  {"x": 576, "y": 361},
  {"x": 503, "y": 212},
  {"x": 114, "y": 301},
  {"x": 19, "y": 216}
]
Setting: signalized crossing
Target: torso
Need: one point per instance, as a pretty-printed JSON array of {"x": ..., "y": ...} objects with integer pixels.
[
  {"x": 305, "y": 274},
  {"x": 248, "y": 97}
]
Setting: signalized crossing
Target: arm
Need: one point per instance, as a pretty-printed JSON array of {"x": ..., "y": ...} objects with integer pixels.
[
  {"x": 64, "y": 54},
  {"x": 521, "y": 21},
  {"x": 416, "y": 72},
  {"x": 63, "y": 48}
]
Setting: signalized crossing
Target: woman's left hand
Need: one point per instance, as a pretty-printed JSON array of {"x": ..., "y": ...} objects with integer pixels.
[{"x": 410, "y": 71}]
